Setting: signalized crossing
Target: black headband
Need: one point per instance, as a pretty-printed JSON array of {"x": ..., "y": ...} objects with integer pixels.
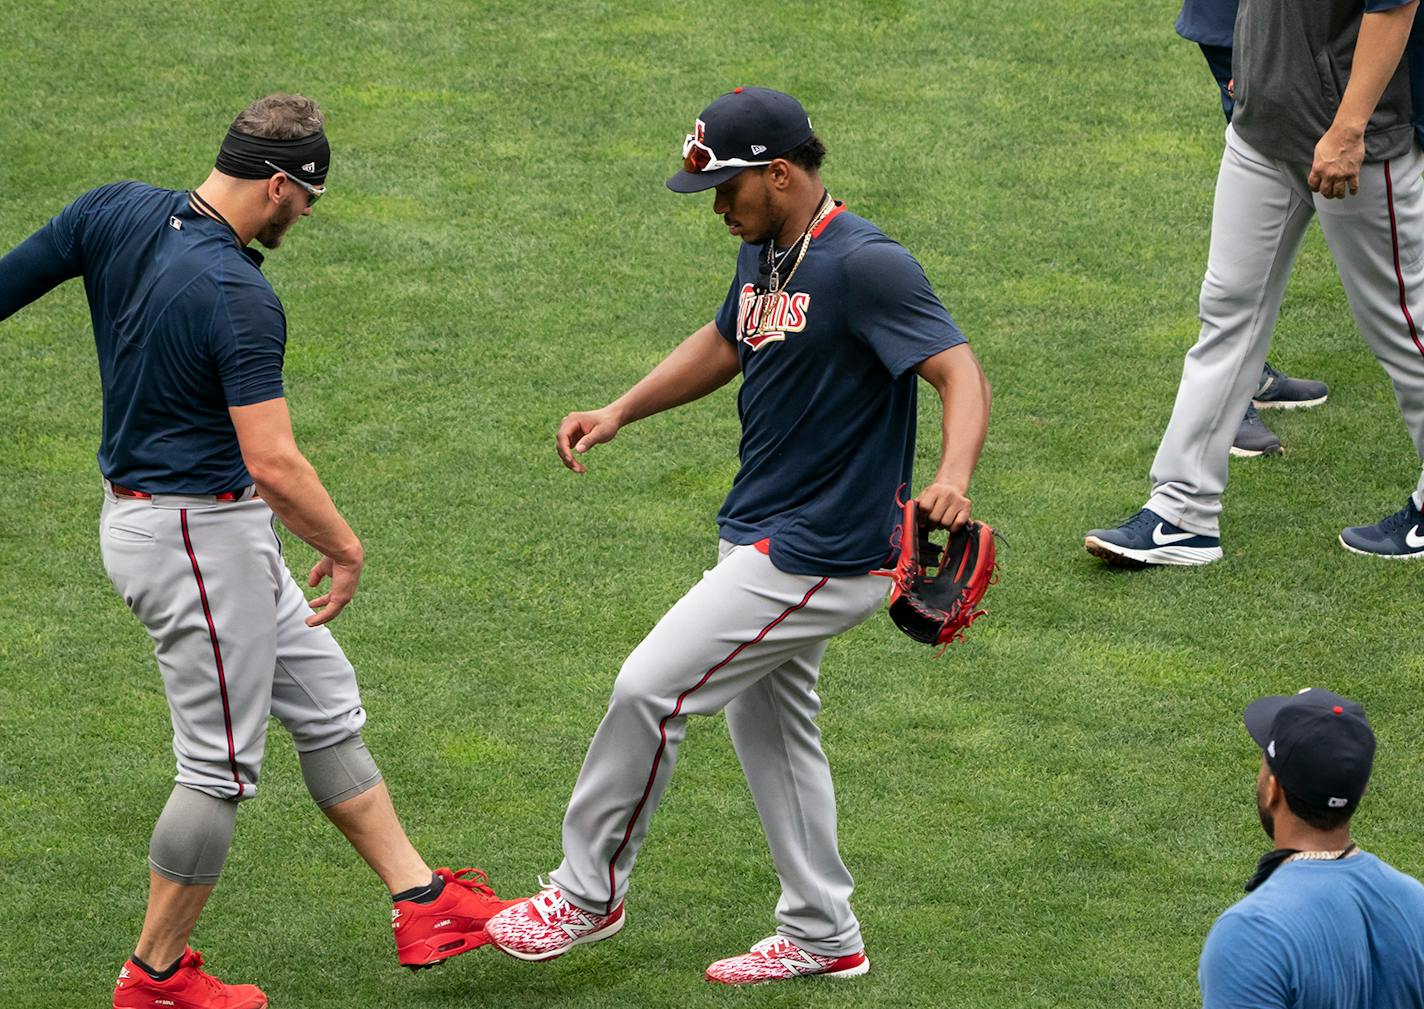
[{"x": 244, "y": 156}]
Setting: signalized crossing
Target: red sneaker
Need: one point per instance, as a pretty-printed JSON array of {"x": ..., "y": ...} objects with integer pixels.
[
  {"x": 777, "y": 958},
  {"x": 453, "y": 923},
  {"x": 190, "y": 987},
  {"x": 547, "y": 925}
]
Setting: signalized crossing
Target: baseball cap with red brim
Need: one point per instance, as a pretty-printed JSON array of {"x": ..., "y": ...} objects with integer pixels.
[
  {"x": 744, "y": 128},
  {"x": 1318, "y": 744}
]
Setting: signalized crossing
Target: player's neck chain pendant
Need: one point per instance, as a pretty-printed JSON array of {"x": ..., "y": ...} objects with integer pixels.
[{"x": 775, "y": 285}]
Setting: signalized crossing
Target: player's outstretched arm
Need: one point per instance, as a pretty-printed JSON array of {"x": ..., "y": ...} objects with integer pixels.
[
  {"x": 31, "y": 269},
  {"x": 291, "y": 488},
  {"x": 964, "y": 391},
  {"x": 700, "y": 364}
]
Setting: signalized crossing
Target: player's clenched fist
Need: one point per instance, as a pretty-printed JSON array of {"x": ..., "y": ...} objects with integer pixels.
[
  {"x": 581, "y": 431},
  {"x": 944, "y": 505}
]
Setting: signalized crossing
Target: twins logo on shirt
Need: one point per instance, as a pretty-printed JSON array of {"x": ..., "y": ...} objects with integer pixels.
[{"x": 785, "y": 312}]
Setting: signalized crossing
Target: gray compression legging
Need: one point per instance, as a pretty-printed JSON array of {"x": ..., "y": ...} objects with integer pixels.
[{"x": 191, "y": 839}]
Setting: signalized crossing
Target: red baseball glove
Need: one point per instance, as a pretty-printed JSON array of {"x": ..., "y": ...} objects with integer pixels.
[{"x": 938, "y": 608}]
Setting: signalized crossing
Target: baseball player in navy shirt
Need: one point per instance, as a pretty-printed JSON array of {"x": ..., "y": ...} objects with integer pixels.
[
  {"x": 1324, "y": 924},
  {"x": 199, "y": 461},
  {"x": 828, "y": 322}
]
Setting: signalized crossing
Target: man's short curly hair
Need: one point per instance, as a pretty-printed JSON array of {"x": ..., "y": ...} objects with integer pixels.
[
  {"x": 808, "y": 155},
  {"x": 280, "y": 117}
]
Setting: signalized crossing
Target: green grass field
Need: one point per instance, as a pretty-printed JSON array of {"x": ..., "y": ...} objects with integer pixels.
[{"x": 1050, "y": 815}]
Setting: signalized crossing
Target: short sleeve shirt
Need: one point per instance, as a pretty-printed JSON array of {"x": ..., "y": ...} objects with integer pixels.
[
  {"x": 827, "y": 401},
  {"x": 1207, "y": 22},
  {"x": 1291, "y": 62},
  {"x": 1345, "y": 934},
  {"x": 185, "y": 325}
]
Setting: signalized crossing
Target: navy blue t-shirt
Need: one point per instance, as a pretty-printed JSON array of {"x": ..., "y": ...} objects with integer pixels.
[
  {"x": 1345, "y": 934},
  {"x": 184, "y": 322},
  {"x": 828, "y": 397},
  {"x": 1207, "y": 22}
]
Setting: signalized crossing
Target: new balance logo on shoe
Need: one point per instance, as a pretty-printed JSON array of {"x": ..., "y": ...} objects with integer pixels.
[
  {"x": 1163, "y": 538},
  {"x": 802, "y": 963},
  {"x": 577, "y": 927}
]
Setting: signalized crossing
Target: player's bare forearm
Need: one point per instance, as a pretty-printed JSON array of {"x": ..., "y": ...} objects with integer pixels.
[
  {"x": 1383, "y": 35},
  {"x": 290, "y": 486},
  {"x": 1340, "y": 153},
  {"x": 965, "y": 397},
  {"x": 698, "y": 365}
]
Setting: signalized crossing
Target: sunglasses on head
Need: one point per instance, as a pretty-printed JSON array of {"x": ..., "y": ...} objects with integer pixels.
[
  {"x": 698, "y": 157},
  {"x": 313, "y": 192}
]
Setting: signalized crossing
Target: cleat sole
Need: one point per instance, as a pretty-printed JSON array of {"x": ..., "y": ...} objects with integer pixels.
[
  {"x": 1287, "y": 404},
  {"x": 1387, "y": 557},
  {"x": 1125, "y": 557}
]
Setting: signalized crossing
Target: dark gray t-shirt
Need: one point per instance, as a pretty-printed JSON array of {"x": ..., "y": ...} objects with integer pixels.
[{"x": 1291, "y": 63}]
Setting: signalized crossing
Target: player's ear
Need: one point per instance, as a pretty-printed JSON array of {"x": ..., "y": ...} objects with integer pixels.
[
  {"x": 778, "y": 173},
  {"x": 274, "y": 188}
]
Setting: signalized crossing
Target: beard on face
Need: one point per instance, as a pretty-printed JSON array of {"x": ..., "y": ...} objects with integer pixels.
[{"x": 276, "y": 229}]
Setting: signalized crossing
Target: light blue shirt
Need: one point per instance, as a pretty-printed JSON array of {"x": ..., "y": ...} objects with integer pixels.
[{"x": 1345, "y": 934}]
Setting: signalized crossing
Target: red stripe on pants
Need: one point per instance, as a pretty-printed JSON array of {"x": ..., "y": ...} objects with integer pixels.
[
  {"x": 677, "y": 709},
  {"x": 1398, "y": 272},
  {"x": 217, "y": 651}
]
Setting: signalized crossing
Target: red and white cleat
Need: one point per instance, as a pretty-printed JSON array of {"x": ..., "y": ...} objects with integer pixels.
[
  {"x": 548, "y": 925},
  {"x": 777, "y": 958},
  {"x": 190, "y": 987},
  {"x": 453, "y": 923}
]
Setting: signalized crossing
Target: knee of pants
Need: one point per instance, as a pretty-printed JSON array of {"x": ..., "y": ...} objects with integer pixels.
[
  {"x": 1220, "y": 300},
  {"x": 317, "y": 730},
  {"x": 642, "y": 689},
  {"x": 192, "y": 837},
  {"x": 339, "y": 772}
]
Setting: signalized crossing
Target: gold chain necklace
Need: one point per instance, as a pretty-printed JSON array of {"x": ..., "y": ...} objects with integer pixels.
[
  {"x": 1324, "y": 856},
  {"x": 776, "y": 286}
]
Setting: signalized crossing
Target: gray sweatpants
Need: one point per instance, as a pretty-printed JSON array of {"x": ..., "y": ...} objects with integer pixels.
[
  {"x": 1262, "y": 209},
  {"x": 749, "y": 638},
  {"x": 229, "y": 630}
]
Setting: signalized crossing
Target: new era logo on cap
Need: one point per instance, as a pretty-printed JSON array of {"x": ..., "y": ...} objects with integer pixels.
[
  {"x": 310, "y": 166},
  {"x": 758, "y": 149},
  {"x": 1336, "y": 803}
]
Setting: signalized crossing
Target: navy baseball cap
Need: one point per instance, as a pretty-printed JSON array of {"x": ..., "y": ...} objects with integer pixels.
[
  {"x": 743, "y": 128},
  {"x": 1318, "y": 744}
]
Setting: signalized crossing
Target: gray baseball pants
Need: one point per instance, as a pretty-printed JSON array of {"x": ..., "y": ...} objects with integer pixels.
[
  {"x": 1262, "y": 209},
  {"x": 748, "y": 638},
  {"x": 228, "y": 624}
]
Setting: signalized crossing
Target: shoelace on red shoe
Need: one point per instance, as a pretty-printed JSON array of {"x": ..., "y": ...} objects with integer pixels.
[
  {"x": 194, "y": 959},
  {"x": 554, "y": 907},
  {"x": 477, "y": 879},
  {"x": 776, "y": 947}
]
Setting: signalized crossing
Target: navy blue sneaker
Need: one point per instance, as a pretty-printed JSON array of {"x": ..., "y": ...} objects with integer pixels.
[
  {"x": 1399, "y": 537},
  {"x": 1281, "y": 392},
  {"x": 1148, "y": 538}
]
